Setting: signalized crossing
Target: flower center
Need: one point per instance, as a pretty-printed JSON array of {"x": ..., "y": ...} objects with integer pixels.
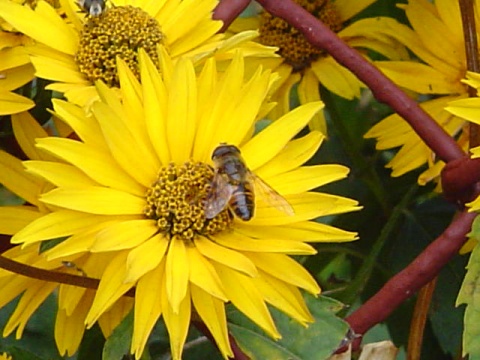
[
  {"x": 293, "y": 46},
  {"x": 176, "y": 201},
  {"x": 119, "y": 31}
]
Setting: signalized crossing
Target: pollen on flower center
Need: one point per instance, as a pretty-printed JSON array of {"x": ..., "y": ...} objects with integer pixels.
[
  {"x": 293, "y": 46},
  {"x": 119, "y": 31},
  {"x": 176, "y": 202}
]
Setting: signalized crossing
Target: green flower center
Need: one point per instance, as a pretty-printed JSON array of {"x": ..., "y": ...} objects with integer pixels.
[
  {"x": 176, "y": 201},
  {"x": 118, "y": 31},
  {"x": 293, "y": 46}
]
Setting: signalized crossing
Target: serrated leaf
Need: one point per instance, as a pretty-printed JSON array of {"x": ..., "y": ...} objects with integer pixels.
[
  {"x": 470, "y": 294},
  {"x": 118, "y": 344},
  {"x": 317, "y": 342}
]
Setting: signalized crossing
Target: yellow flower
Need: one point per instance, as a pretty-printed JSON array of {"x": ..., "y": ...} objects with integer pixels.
[
  {"x": 469, "y": 109},
  {"x": 436, "y": 39},
  {"x": 5, "y": 356},
  {"x": 77, "y": 49},
  {"x": 15, "y": 71},
  {"x": 129, "y": 199},
  {"x": 73, "y": 302},
  {"x": 301, "y": 63}
]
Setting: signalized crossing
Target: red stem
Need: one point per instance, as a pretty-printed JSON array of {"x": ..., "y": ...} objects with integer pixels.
[
  {"x": 228, "y": 10},
  {"x": 418, "y": 273},
  {"x": 382, "y": 88}
]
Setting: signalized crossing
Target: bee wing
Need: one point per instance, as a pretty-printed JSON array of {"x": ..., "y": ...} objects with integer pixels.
[
  {"x": 219, "y": 195},
  {"x": 271, "y": 197}
]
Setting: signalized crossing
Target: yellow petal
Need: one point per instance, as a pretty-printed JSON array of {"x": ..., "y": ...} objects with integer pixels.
[
  {"x": 110, "y": 319},
  {"x": 308, "y": 91},
  {"x": 146, "y": 257},
  {"x": 132, "y": 109},
  {"x": 221, "y": 103},
  {"x": 238, "y": 241},
  {"x": 110, "y": 289},
  {"x": 85, "y": 127},
  {"x": 17, "y": 180},
  {"x": 286, "y": 269},
  {"x": 125, "y": 147},
  {"x": 419, "y": 77},
  {"x": 246, "y": 107},
  {"x": 13, "y": 286},
  {"x": 69, "y": 329},
  {"x": 225, "y": 256},
  {"x": 80, "y": 242},
  {"x": 336, "y": 78},
  {"x": 148, "y": 308},
  {"x": 434, "y": 34},
  {"x": 124, "y": 235},
  {"x": 468, "y": 109},
  {"x": 301, "y": 231},
  {"x": 212, "y": 313},
  {"x": 16, "y": 77},
  {"x": 346, "y": 9},
  {"x": 177, "y": 272},
  {"x": 98, "y": 165},
  {"x": 182, "y": 112},
  {"x": 43, "y": 25},
  {"x": 307, "y": 178},
  {"x": 15, "y": 218},
  {"x": 58, "y": 70},
  {"x": 176, "y": 320},
  {"x": 11, "y": 103},
  {"x": 306, "y": 206},
  {"x": 293, "y": 155},
  {"x": 246, "y": 297},
  {"x": 203, "y": 274},
  {"x": 277, "y": 135},
  {"x": 154, "y": 103},
  {"x": 55, "y": 225},
  {"x": 284, "y": 297},
  {"x": 31, "y": 299},
  {"x": 69, "y": 296},
  {"x": 95, "y": 200},
  {"x": 282, "y": 96},
  {"x": 59, "y": 174},
  {"x": 26, "y": 130}
]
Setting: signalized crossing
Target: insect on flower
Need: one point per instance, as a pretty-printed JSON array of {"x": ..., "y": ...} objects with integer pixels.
[
  {"x": 92, "y": 7},
  {"x": 235, "y": 185}
]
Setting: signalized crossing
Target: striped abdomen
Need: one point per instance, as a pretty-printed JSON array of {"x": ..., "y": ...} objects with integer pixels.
[{"x": 242, "y": 201}]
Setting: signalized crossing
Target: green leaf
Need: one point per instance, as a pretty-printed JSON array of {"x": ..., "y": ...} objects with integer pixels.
[
  {"x": 445, "y": 320},
  {"x": 92, "y": 344},
  {"x": 37, "y": 337},
  {"x": 475, "y": 232},
  {"x": 49, "y": 244},
  {"x": 118, "y": 344},
  {"x": 19, "y": 353},
  {"x": 470, "y": 294},
  {"x": 318, "y": 341}
]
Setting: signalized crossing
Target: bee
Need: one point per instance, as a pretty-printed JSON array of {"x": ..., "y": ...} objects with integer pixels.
[
  {"x": 92, "y": 7},
  {"x": 234, "y": 185}
]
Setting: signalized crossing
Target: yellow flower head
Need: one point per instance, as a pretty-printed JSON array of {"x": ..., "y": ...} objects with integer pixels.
[
  {"x": 436, "y": 38},
  {"x": 79, "y": 48},
  {"x": 308, "y": 66},
  {"x": 130, "y": 200}
]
